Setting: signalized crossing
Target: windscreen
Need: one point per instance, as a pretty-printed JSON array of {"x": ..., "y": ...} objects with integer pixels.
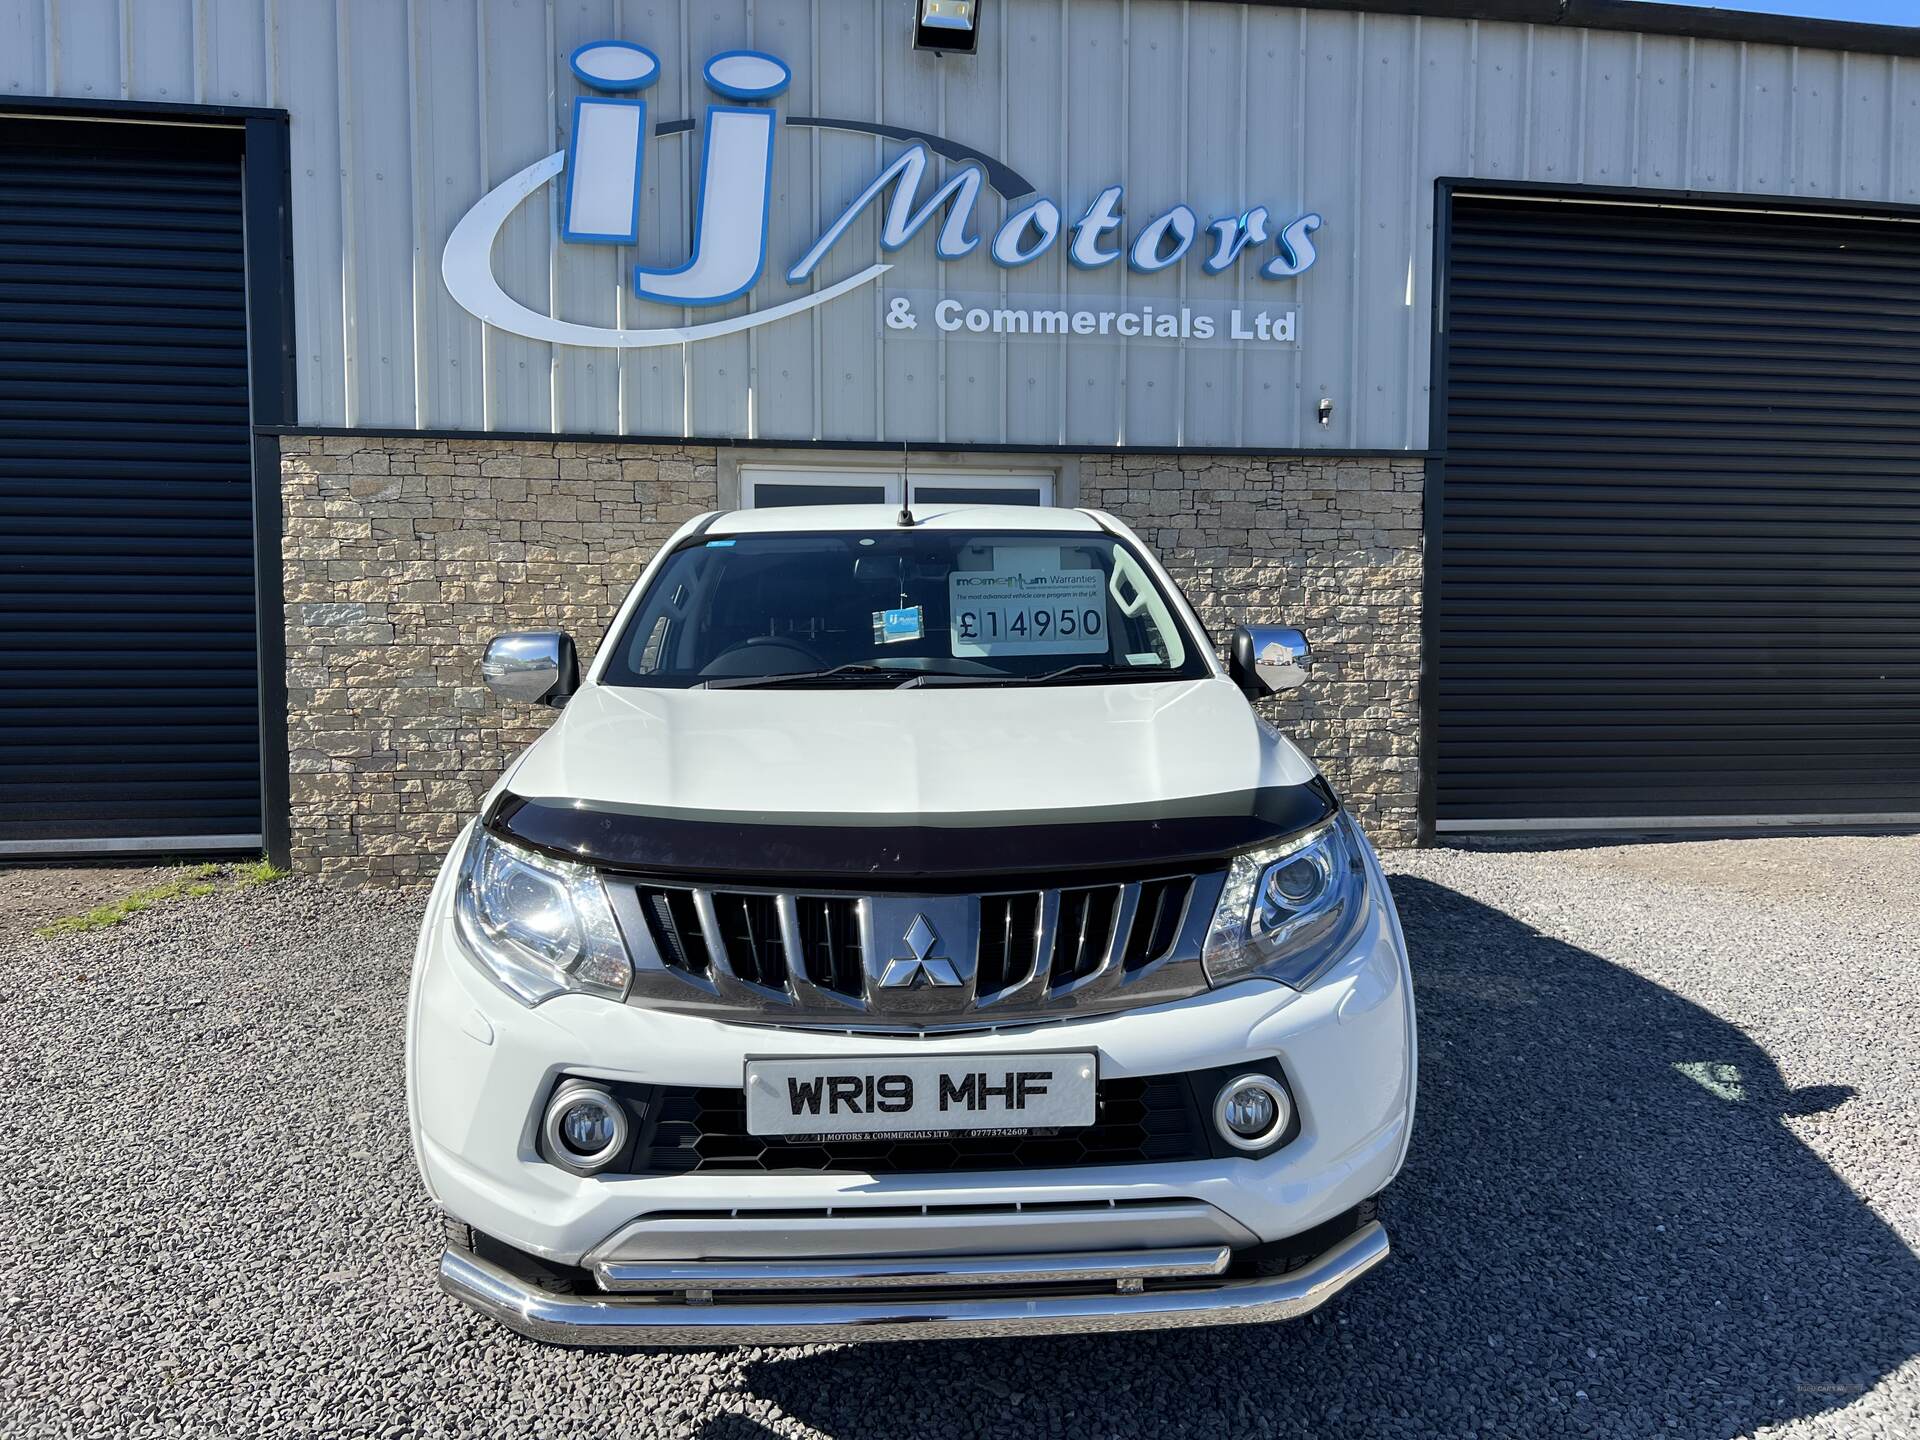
[{"x": 887, "y": 606}]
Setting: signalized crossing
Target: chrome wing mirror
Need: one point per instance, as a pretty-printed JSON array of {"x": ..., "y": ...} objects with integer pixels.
[
  {"x": 535, "y": 667},
  {"x": 1268, "y": 660}
]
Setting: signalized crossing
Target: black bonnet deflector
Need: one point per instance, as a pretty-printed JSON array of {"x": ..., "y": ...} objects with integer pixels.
[{"x": 849, "y": 850}]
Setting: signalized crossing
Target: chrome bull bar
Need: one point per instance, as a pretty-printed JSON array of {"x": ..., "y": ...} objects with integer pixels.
[{"x": 635, "y": 1320}]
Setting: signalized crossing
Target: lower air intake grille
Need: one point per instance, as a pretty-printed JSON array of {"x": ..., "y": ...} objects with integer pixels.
[{"x": 1139, "y": 1120}]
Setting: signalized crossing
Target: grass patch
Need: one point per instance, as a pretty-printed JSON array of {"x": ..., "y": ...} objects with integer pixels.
[
  {"x": 260, "y": 872},
  {"x": 191, "y": 883}
]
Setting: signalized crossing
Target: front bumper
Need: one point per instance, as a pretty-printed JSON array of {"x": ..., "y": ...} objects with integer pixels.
[
  {"x": 629, "y": 1321},
  {"x": 478, "y": 1061}
]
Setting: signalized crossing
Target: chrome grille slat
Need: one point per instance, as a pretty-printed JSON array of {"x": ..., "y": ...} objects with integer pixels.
[
  {"x": 1090, "y": 920},
  {"x": 1106, "y": 972},
  {"x": 819, "y": 958},
  {"x": 806, "y": 994},
  {"x": 831, "y": 943},
  {"x": 751, "y": 937},
  {"x": 730, "y": 986},
  {"x": 1009, "y": 941},
  {"x": 1157, "y": 923},
  {"x": 1033, "y": 990}
]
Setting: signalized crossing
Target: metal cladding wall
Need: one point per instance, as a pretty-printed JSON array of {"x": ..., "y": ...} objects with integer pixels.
[
  {"x": 404, "y": 114},
  {"x": 130, "y": 708},
  {"x": 1678, "y": 575}
]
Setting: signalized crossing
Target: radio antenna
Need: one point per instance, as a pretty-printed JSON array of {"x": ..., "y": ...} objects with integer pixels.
[{"x": 906, "y": 509}]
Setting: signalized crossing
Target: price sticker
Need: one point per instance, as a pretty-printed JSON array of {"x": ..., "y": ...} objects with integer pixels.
[{"x": 1052, "y": 612}]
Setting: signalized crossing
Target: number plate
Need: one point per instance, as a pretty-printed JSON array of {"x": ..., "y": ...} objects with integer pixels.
[{"x": 924, "y": 1095}]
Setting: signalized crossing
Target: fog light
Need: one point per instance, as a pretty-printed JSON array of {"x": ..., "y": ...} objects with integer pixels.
[
  {"x": 585, "y": 1127},
  {"x": 1252, "y": 1111}
]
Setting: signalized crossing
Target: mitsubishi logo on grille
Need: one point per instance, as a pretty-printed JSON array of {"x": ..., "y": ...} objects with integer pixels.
[{"x": 922, "y": 967}]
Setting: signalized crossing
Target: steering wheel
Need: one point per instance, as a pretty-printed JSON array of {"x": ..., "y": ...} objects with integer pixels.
[{"x": 764, "y": 643}]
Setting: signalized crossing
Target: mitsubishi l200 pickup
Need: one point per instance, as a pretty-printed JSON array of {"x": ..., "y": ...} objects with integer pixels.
[{"x": 907, "y": 928}]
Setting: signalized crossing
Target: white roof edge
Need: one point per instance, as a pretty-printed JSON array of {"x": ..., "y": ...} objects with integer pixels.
[{"x": 794, "y": 519}]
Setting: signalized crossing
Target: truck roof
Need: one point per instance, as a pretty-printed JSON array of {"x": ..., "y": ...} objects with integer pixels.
[{"x": 790, "y": 519}]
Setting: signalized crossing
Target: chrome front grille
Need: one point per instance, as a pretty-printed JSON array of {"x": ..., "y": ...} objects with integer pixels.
[{"x": 915, "y": 961}]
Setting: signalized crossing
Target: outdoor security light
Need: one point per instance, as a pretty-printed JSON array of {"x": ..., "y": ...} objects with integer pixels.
[{"x": 948, "y": 26}]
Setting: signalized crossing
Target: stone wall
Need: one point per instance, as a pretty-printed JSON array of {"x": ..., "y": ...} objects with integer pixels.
[
  {"x": 1331, "y": 547},
  {"x": 403, "y": 556}
]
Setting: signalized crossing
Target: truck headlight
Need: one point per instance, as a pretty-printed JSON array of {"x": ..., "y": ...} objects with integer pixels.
[
  {"x": 539, "y": 927},
  {"x": 1288, "y": 911}
]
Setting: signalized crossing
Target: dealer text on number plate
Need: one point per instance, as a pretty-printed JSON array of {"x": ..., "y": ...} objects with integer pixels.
[{"x": 918, "y": 1094}]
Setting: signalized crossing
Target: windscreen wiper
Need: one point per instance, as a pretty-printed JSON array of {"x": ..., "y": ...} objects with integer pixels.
[
  {"x": 796, "y": 677},
  {"x": 1085, "y": 667}
]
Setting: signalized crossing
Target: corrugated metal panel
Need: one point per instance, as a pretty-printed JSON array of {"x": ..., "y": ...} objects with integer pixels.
[
  {"x": 1679, "y": 570},
  {"x": 129, "y": 709},
  {"x": 405, "y": 111}
]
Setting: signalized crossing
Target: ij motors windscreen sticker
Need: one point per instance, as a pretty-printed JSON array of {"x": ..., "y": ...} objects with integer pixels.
[{"x": 892, "y": 626}]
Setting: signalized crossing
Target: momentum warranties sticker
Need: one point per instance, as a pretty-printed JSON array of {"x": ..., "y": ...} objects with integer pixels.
[{"x": 996, "y": 612}]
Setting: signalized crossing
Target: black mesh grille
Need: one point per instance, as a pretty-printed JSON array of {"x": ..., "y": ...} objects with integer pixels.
[
  {"x": 1009, "y": 940},
  {"x": 830, "y": 942},
  {"x": 1156, "y": 923},
  {"x": 673, "y": 920},
  {"x": 1138, "y": 1120},
  {"x": 1084, "y": 931}
]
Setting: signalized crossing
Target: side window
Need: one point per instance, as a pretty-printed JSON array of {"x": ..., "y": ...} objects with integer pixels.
[
  {"x": 1148, "y": 622},
  {"x": 926, "y": 492},
  {"x": 768, "y": 494},
  {"x": 660, "y": 627},
  {"x": 655, "y": 645},
  {"x": 767, "y": 486},
  {"x": 982, "y": 487}
]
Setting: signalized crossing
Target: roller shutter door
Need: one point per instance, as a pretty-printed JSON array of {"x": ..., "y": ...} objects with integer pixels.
[
  {"x": 1678, "y": 519},
  {"x": 129, "y": 712}
]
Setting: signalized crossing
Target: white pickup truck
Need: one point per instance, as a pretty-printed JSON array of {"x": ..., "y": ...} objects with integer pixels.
[{"x": 908, "y": 928}]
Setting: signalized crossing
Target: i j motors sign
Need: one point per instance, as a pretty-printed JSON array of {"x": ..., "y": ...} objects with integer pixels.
[{"x": 600, "y": 204}]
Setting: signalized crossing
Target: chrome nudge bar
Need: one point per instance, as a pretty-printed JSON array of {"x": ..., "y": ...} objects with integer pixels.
[
  {"x": 886, "y": 960},
  {"x": 630, "y": 1320},
  {"x": 902, "y": 1271}
]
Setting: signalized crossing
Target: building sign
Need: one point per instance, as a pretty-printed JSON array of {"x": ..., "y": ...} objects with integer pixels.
[
  {"x": 604, "y": 163},
  {"x": 1000, "y": 317}
]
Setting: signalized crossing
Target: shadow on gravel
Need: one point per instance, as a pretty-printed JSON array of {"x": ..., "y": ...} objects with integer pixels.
[{"x": 1604, "y": 1227}]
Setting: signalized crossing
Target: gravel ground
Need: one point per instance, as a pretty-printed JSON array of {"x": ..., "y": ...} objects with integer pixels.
[
  {"x": 1665, "y": 1181},
  {"x": 31, "y": 895}
]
